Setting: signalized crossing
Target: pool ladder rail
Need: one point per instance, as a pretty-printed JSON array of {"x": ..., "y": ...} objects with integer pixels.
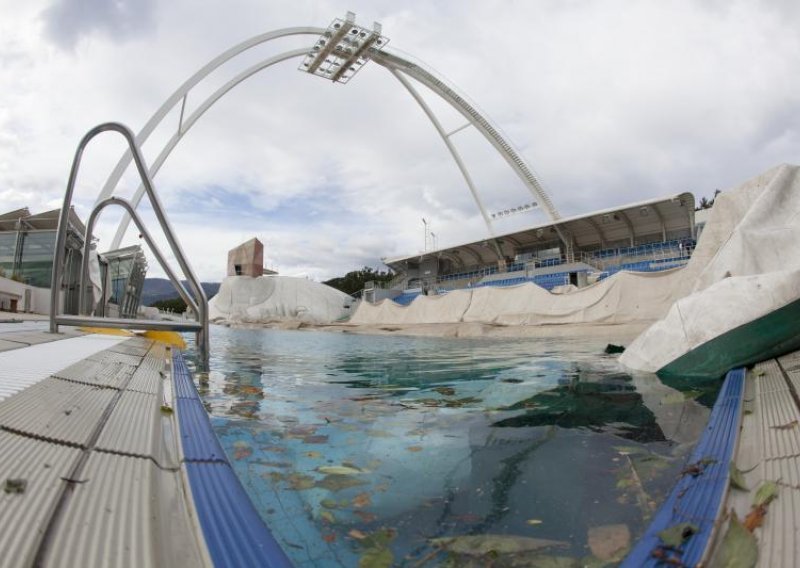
[{"x": 196, "y": 301}]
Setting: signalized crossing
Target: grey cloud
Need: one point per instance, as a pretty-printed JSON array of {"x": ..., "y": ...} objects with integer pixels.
[{"x": 66, "y": 21}]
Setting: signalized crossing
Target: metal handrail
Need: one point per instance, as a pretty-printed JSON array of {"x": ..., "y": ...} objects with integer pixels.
[
  {"x": 125, "y": 204},
  {"x": 201, "y": 304}
]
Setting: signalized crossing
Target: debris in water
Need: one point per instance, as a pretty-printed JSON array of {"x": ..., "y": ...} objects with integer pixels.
[
  {"x": 612, "y": 349},
  {"x": 338, "y": 482},
  {"x": 609, "y": 542},
  {"x": 480, "y": 545},
  {"x": 361, "y": 500},
  {"x": 340, "y": 470}
]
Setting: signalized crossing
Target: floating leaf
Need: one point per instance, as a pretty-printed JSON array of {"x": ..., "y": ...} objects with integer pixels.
[
  {"x": 739, "y": 548},
  {"x": 361, "y": 500},
  {"x": 766, "y": 493},
  {"x": 365, "y": 516},
  {"x": 329, "y": 537},
  {"x": 414, "y": 448},
  {"x": 737, "y": 479},
  {"x": 274, "y": 476},
  {"x": 446, "y": 391},
  {"x": 327, "y": 516},
  {"x": 339, "y": 470},
  {"x": 609, "y": 542},
  {"x": 787, "y": 426},
  {"x": 338, "y": 482},
  {"x": 675, "y": 535},
  {"x": 357, "y": 534},
  {"x": 166, "y": 409},
  {"x": 329, "y": 503},
  {"x": 300, "y": 481},
  {"x": 313, "y": 455},
  {"x": 379, "y": 434},
  {"x": 542, "y": 561},
  {"x": 315, "y": 439},
  {"x": 628, "y": 450},
  {"x": 378, "y": 557},
  {"x": 534, "y": 521},
  {"x": 480, "y": 545}
]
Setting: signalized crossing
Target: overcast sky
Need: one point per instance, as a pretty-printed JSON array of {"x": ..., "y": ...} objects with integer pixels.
[{"x": 609, "y": 101}]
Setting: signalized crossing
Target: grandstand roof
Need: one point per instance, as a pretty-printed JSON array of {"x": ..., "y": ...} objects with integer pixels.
[{"x": 598, "y": 229}]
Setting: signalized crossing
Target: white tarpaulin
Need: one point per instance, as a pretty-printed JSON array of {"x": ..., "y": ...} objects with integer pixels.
[
  {"x": 747, "y": 264},
  {"x": 244, "y": 299}
]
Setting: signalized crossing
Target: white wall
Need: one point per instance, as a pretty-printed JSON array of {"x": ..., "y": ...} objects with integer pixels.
[{"x": 40, "y": 297}]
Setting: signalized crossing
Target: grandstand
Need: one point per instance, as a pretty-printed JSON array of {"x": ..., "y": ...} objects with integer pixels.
[{"x": 648, "y": 236}]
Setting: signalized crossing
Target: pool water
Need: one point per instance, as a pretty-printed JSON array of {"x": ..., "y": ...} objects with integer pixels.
[{"x": 378, "y": 451}]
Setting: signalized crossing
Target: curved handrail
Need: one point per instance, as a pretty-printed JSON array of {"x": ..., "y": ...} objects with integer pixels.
[
  {"x": 147, "y": 238},
  {"x": 58, "y": 261}
]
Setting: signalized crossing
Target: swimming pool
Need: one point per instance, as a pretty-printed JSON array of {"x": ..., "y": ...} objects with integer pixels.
[{"x": 391, "y": 450}]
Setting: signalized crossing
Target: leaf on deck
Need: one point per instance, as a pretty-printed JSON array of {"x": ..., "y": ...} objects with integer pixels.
[{"x": 739, "y": 548}]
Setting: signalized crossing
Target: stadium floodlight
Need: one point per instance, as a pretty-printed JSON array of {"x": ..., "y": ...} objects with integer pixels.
[
  {"x": 343, "y": 49},
  {"x": 514, "y": 210}
]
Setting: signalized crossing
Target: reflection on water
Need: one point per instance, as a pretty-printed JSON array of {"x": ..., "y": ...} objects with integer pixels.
[{"x": 427, "y": 451}]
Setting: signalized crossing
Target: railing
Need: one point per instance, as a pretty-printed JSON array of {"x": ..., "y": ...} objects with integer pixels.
[{"x": 197, "y": 301}]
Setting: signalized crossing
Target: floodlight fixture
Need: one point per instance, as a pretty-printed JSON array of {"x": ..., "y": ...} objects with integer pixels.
[
  {"x": 513, "y": 210},
  {"x": 343, "y": 49}
]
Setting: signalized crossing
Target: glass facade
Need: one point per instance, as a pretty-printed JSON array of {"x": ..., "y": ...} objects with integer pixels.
[
  {"x": 36, "y": 266},
  {"x": 8, "y": 246},
  {"x": 124, "y": 272},
  {"x": 27, "y": 248}
]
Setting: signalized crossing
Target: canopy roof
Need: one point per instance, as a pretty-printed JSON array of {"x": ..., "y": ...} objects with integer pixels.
[
  {"x": 47, "y": 221},
  {"x": 631, "y": 224}
]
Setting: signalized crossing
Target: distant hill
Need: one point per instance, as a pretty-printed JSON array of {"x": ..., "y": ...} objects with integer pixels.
[{"x": 156, "y": 289}]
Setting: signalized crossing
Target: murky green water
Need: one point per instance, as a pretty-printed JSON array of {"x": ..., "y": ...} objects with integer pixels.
[{"x": 379, "y": 451}]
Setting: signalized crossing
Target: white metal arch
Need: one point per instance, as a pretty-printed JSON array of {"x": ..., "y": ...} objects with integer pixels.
[{"x": 394, "y": 62}]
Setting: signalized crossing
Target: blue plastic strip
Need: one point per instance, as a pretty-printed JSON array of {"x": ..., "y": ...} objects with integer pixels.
[
  {"x": 184, "y": 385},
  {"x": 696, "y": 498},
  {"x": 197, "y": 438},
  {"x": 234, "y": 533}
]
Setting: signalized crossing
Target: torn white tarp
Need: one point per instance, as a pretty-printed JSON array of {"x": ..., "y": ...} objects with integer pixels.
[
  {"x": 244, "y": 299},
  {"x": 747, "y": 265}
]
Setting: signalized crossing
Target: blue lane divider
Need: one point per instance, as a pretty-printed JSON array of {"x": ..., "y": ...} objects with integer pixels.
[
  {"x": 234, "y": 533},
  {"x": 697, "y": 496}
]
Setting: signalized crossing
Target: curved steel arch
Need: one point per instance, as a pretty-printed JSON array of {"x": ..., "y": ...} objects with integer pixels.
[{"x": 392, "y": 61}]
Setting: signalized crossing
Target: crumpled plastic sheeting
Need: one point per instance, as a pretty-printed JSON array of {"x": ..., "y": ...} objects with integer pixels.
[
  {"x": 244, "y": 299},
  {"x": 747, "y": 264}
]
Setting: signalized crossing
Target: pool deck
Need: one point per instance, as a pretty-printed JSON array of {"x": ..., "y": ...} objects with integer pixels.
[{"x": 107, "y": 460}]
